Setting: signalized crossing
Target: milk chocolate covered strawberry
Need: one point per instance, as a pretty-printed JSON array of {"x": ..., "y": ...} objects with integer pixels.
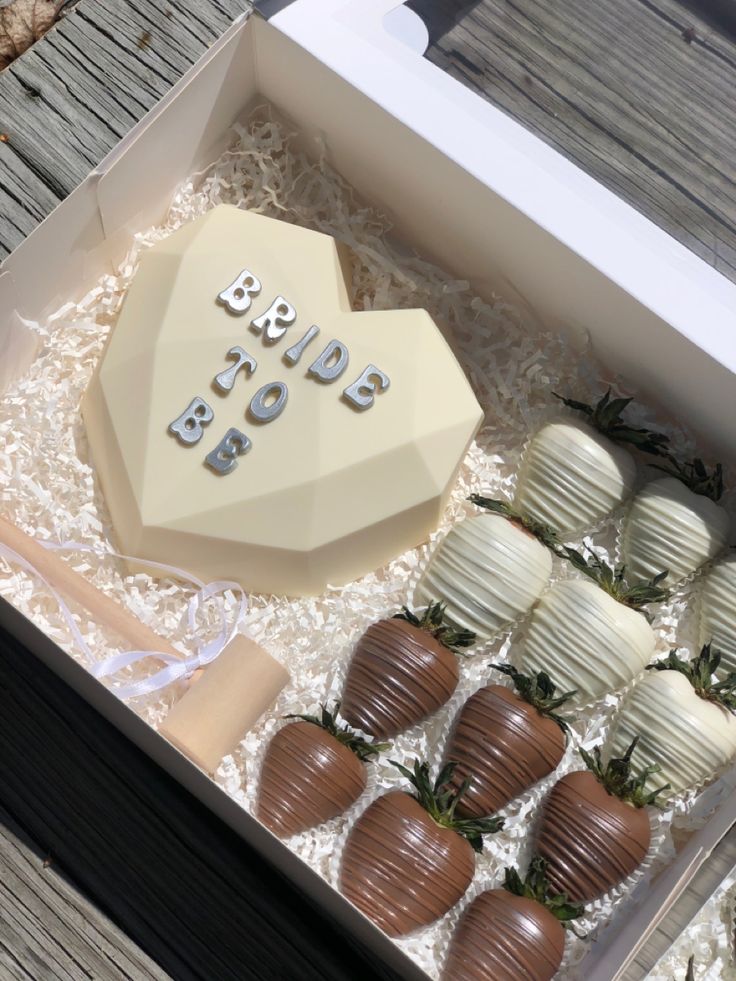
[
  {"x": 592, "y": 635},
  {"x": 574, "y": 473},
  {"x": 512, "y": 933},
  {"x": 403, "y": 669},
  {"x": 505, "y": 741},
  {"x": 686, "y": 717},
  {"x": 676, "y": 522},
  {"x": 314, "y": 769},
  {"x": 409, "y": 858},
  {"x": 489, "y": 570},
  {"x": 594, "y": 829}
]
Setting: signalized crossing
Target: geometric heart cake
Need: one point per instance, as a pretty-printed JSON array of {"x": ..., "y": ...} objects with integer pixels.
[{"x": 246, "y": 424}]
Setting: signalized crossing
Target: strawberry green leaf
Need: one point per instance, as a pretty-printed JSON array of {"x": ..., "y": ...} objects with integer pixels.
[
  {"x": 439, "y": 800},
  {"x": 701, "y": 673},
  {"x": 606, "y": 417},
  {"x": 433, "y": 621},
  {"x": 695, "y": 475},
  {"x": 539, "y": 691},
  {"x": 542, "y": 532},
  {"x": 536, "y": 886},
  {"x": 617, "y": 777},
  {"x": 363, "y": 748},
  {"x": 613, "y": 580}
]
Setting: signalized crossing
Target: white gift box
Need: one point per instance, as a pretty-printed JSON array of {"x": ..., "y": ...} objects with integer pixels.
[{"x": 515, "y": 217}]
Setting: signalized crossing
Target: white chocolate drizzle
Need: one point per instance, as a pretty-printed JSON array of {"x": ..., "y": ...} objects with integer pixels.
[
  {"x": 488, "y": 571},
  {"x": 717, "y": 622},
  {"x": 586, "y": 640},
  {"x": 571, "y": 477},
  {"x": 687, "y": 736},
  {"x": 669, "y": 527}
]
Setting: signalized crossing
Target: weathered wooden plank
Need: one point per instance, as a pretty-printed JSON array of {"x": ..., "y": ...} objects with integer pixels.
[
  {"x": 196, "y": 898},
  {"x": 67, "y": 101},
  {"x": 619, "y": 90},
  {"x": 48, "y": 929}
]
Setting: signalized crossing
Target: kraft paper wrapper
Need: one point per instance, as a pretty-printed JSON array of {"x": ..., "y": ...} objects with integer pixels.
[{"x": 209, "y": 721}]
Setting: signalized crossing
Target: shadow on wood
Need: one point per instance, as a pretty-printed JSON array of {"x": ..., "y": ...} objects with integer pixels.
[
  {"x": 194, "y": 896},
  {"x": 440, "y": 16}
]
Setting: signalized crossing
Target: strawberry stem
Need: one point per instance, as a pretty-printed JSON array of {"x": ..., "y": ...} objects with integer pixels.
[
  {"x": 700, "y": 672},
  {"x": 605, "y": 416},
  {"x": 536, "y": 886},
  {"x": 612, "y": 579},
  {"x": 433, "y": 621},
  {"x": 542, "y": 532},
  {"x": 695, "y": 475},
  {"x": 617, "y": 779},
  {"x": 439, "y": 800},
  {"x": 539, "y": 691},
  {"x": 362, "y": 748}
]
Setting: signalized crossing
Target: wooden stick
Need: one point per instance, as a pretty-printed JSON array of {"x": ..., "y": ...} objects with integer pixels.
[
  {"x": 102, "y": 608},
  {"x": 212, "y": 717}
]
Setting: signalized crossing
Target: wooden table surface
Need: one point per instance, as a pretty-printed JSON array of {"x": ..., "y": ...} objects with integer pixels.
[{"x": 108, "y": 869}]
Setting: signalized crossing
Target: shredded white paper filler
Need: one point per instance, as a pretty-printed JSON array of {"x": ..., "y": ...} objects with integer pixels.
[{"x": 48, "y": 487}]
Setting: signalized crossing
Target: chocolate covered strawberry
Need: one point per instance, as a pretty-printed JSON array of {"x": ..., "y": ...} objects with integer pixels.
[
  {"x": 403, "y": 669},
  {"x": 512, "y": 933},
  {"x": 409, "y": 858},
  {"x": 592, "y": 635},
  {"x": 717, "y": 613},
  {"x": 573, "y": 473},
  {"x": 594, "y": 829},
  {"x": 685, "y": 715},
  {"x": 675, "y": 522},
  {"x": 314, "y": 769},
  {"x": 505, "y": 741},
  {"x": 489, "y": 570}
]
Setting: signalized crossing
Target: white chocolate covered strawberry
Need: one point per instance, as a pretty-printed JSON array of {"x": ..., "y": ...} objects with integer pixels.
[
  {"x": 489, "y": 570},
  {"x": 591, "y": 635},
  {"x": 717, "y": 619},
  {"x": 675, "y": 522},
  {"x": 574, "y": 474},
  {"x": 685, "y": 718}
]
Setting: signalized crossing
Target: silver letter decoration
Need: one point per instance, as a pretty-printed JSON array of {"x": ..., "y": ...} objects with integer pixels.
[
  {"x": 360, "y": 393},
  {"x": 331, "y": 363},
  {"x": 294, "y": 353},
  {"x": 280, "y": 315},
  {"x": 239, "y": 294},
  {"x": 226, "y": 379},
  {"x": 269, "y": 402},
  {"x": 224, "y": 458},
  {"x": 189, "y": 426}
]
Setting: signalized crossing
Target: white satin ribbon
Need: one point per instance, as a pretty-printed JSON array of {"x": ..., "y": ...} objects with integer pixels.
[{"x": 176, "y": 667}]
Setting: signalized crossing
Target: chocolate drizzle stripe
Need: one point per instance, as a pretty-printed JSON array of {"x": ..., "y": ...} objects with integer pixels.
[
  {"x": 571, "y": 477},
  {"x": 501, "y": 937},
  {"x": 487, "y": 571},
  {"x": 504, "y": 745},
  {"x": 664, "y": 531},
  {"x": 400, "y": 868},
  {"x": 590, "y": 839},
  {"x": 307, "y": 778},
  {"x": 585, "y": 640},
  {"x": 688, "y": 747},
  {"x": 399, "y": 674}
]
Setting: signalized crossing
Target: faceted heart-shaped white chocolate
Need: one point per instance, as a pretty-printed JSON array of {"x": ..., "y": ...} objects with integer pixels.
[
  {"x": 488, "y": 571},
  {"x": 669, "y": 527},
  {"x": 586, "y": 640},
  {"x": 689, "y": 737},
  {"x": 282, "y": 472},
  {"x": 571, "y": 477},
  {"x": 717, "y": 621}
]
